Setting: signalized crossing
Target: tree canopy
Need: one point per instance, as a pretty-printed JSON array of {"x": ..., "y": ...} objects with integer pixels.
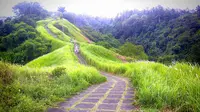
[{"x": 30, "y": 9}]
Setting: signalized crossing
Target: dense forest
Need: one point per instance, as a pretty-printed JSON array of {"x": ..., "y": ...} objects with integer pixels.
[
  {"x": 19, "y": 40},
  {"x": 166, "y": 34}
]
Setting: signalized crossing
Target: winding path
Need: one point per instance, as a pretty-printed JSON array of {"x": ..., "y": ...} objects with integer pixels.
[{"x": 115, "y": 95}]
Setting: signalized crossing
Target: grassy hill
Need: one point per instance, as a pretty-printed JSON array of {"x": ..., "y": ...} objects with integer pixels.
[
  {"x": 47, "y": 79},
  {"x": 57, "y": 75}
]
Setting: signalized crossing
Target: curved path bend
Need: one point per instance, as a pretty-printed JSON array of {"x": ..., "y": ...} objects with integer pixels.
[{"x": 115, "y": 95}]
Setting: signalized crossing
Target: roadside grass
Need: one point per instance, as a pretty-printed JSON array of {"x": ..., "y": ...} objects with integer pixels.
[
  {"x": 175, "y": 87},
  {"x": 102, "y": 58}
]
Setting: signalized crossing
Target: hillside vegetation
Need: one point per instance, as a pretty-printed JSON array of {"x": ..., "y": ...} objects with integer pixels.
[
  {"x": 166, "y": 34},
  {"x": 53, "y": 76},
  {"x": 44, "y": 81},
  {"x": 51, "y": 71},
  {"x": 158, "y": 86}
]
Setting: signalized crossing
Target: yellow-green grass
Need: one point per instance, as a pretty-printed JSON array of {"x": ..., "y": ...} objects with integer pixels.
[
  {"x": 175, "y": 87},
  {"x": 102, "y": 58},
  {"x": 57, "y": 32},
  {"x": 62, "y": 56},
  {"x": 35, "y": 87},
  {"x": 56, "y": 43},
  {"x": 73, "y": 30}
]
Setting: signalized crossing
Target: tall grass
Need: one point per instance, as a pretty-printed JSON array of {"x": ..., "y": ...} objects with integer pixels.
[
  {"x": 175, "y": 87},
  {"x": 41, "y": 82},
  {"x": 34, "y": 89},
  {"x": 102, "y": 58}
]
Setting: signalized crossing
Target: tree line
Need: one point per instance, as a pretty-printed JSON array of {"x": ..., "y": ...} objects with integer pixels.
[{"x": 166, "y": 34}]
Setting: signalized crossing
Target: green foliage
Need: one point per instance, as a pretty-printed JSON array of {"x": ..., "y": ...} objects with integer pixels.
[
  {"x": 166, "y": 86},
  {"x": 58, "y": 71},
  {"x": 102, "y": 58},
  {"x": 131, "y": 50},
  {"x": 105, "y": 40},
  {"x": 6, "y": 77},
  {"x": 9, "y": 91},
  {"x": 162, "y": 32},
  {"x": 30, "y": 9},
  {"x": 157, "y": 85},
  {"x": 23, "y": 44},
  {"x": 104, "y": 44},
  {"x": 38, "y": 85}
]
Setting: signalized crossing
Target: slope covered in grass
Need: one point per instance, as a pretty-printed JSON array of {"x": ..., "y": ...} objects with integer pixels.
[
  {"x": 48, "y": 79},
  {"x": 59, "y": 34},
  {"x": 56, "y": 43},
  {"x": 102, "y": 58},
  {"x": 72, "y": 30},
  {"x": 62, "y": 56},
  {"x": 158, "y": 86}
]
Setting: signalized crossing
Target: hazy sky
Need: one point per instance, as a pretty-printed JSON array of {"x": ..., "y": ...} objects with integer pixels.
[{"x": 105, "y": 8}]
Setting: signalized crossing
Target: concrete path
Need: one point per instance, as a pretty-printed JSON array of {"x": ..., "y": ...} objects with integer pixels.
[{"x": 115, "y": 95}]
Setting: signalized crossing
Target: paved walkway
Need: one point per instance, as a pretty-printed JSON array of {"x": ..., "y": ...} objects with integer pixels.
[{"x": 115, "y": 95}]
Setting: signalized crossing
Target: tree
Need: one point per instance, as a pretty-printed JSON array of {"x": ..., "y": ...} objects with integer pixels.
[
  {"x": 131, "y": 50},
  {"x": 198, "y": 11},
  {"x": 1, "y": 23},
  {"x": 62, "y": 10},
  {"x": 30, "y": 9}
]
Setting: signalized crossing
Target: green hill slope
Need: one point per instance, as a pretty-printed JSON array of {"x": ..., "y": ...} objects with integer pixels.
[
  {"x": 47, "y": 79},
  {"x": 58, "y": 75}
]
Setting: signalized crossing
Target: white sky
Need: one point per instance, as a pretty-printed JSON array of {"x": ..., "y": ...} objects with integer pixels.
[{"x": 104, "y": 8}]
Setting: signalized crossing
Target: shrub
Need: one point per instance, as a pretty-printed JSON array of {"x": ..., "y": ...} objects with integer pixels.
[
  {"x": 58, "y": 71},
  {"x": 5, "y": 74}
]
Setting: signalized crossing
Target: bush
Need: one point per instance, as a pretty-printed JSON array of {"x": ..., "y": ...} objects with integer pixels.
[
  {"x": 5, "y": 74},
  {"x": 8, "y": 90},
  {"x": 58, "y": 71}
]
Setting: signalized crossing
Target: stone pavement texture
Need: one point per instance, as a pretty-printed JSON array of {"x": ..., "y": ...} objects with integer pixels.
[{"x": 115, "y": 95}]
